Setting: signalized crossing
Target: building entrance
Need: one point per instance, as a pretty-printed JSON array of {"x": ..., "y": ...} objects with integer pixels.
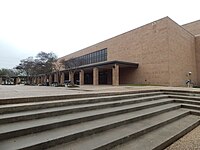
[
  {"x": 88, "y": 78},
  {"x": 76, "y": 78},
  {"x": 103, "y": 79}
]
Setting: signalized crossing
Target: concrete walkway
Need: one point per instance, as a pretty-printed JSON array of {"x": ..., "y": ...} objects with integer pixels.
[{"x": 18, "y": 91}]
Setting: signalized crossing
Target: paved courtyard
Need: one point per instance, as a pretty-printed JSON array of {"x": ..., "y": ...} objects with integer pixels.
[{"x": 16, "y": 91}]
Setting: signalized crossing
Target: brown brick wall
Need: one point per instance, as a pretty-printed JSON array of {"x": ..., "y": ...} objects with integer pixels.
[
  {"x": 193, "y": 27},
  {"x": 164, "y": 50},
  {"x": 182, "y": 55},
  {"x": 146, "y": 45},
  {"x": 198, "y": 58}
]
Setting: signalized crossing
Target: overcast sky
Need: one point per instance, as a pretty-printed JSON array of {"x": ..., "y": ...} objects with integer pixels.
[{"x": 65, "y": 26}]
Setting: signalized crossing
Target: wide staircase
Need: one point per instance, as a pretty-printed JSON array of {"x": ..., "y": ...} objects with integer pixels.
[{"x": 120, "y": 121}]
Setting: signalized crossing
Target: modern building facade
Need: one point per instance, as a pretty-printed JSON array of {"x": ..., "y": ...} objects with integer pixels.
[{"x": 159, "y": 53}]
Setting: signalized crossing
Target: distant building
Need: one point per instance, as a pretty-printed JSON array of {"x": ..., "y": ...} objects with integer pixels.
[{"x": 159, "y": 53}]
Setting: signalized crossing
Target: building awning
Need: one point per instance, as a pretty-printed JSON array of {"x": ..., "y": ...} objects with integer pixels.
[{"x": 109, "y": 64}]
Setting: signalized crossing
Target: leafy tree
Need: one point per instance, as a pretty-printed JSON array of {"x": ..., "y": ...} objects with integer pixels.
[
  {"x": 8, "y": 72},
  {"x": 7, "y": 75},
  {"x": 43, "y": 64},
  {"x": 27, "y": 66},
  {"x": 2, "y": 72}
]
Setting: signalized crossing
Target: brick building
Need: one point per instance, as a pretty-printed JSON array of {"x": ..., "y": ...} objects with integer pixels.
[{"x": 159, "y": 53}]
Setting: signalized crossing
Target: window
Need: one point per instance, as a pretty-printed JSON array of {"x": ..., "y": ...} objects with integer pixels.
[{"x": 90, "y": 58}]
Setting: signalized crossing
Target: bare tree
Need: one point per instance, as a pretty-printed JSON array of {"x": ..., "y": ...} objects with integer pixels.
[
  {"x": 58, "y": 65},
  {"x": 72, "y": 66}
]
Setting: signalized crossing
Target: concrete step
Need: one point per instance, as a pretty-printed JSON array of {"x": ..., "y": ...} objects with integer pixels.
[
  {"x": 184, "y": 97},
  {"x": 115, "y": 136},
  {"x": 191, "y": 107},
  {"x": 186, "y": 101},
  {"x": 181, "y": 93},
  {"x": 45, "y": 105},
  {"x": 194, "y": 112},
  {"x": 162, "y": 137},
  {"x": 194, "y": 109},
  {"x": 101, "y": 139},
  {"x": 75, "y": 96},
  {"x": 37, "y": 114},
  {"x": 33, "y": 126},
  {"x": 58, "y": 103}
]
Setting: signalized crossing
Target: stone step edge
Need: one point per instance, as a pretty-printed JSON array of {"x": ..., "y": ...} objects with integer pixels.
[
  {"x": 139, "y": 133},
  {"x": 72, "y": 96},
  {"x": 171, "y": 140},
  {"x": 13, "y": 109},
  {"x": 184, "y": 97},
  {"x": 85, "y": 95},
  {"x": 67, "y": 139},
  {"x": 182, "y": 93},
  {"x": 54, "y": 113},
  {"x": 179, "y": 91},
  {"x": 45, "y": 127},
  {"x": 185, "y": 101},
  {"x": 62, "y": 112},
  {"x": 40, "y": 116},
  {"x": 191, "y": 107},
  {"x": 87, "y": 100}
]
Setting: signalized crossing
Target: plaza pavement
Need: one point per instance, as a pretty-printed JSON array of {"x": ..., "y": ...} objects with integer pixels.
[{"x": 18, "y": 91}]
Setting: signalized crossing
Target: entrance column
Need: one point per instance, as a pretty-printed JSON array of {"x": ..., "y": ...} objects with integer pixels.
[
  {"x": 0, "y": 81},
  {"x": 71, "y": 77},
  {"x": 115, "y": 75},
  {"x": 95, "y": 76},
  {"x": 31, "y": 80},
  {"x": 55, "y": 77},
  {"x": 62, "y": 78},
  {"x": 45, "y": 79},
  {"x": 42, "y": 79},
  {"x": 81, "y": 77},
  {"x": 17, "y": 80},
  {"x": 50, "y": 79},
  {"x": 38, "y": 80},
  {"x": 34, "y": 80}
]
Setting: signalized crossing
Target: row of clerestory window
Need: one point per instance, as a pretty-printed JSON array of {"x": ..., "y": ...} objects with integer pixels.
[{"x": 94, "y": 57}]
